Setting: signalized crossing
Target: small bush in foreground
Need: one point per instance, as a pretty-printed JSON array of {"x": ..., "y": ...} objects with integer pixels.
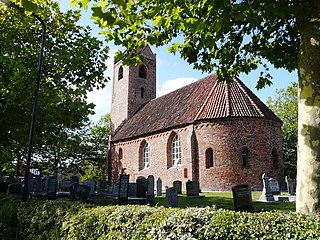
[
  {"x": 8, "y": 216},
  {"x": 65, "y": 220}
]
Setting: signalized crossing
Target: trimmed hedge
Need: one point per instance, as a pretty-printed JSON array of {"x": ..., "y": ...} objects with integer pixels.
[
  {"x": 8, "y": 216},
  {"x": 66, "y": 220}
]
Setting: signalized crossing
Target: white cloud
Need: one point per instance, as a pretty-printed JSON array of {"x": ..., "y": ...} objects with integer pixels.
[{"x": 174, "y": 84}]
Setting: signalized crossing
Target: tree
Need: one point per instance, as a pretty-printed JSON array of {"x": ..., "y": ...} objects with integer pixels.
[
  {"x": 285, "y": 106},
  {"x": 74, "y": 65},
  {"x": 234, "y": 36}
]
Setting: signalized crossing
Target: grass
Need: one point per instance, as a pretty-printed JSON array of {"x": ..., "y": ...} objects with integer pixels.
[{"x": 219, "y": 199}]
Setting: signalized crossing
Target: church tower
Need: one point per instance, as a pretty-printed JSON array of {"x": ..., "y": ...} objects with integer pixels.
[{"x": 133, "y": 86}]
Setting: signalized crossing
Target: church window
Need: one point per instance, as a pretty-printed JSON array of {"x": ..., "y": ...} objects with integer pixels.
[
  {"x": 142, "y": 92},
  {"x": 274, "y": 158},
  {"x": 142, "y": 71},
  {"x": 120, "y": 153},
  {"x": 244, "y": 155},
  {"x": 176, "y": 151},
  {"x": 120, "y": 73},
  {"x": 146, "y": 156},
  {"x": 209, "y": 158}
]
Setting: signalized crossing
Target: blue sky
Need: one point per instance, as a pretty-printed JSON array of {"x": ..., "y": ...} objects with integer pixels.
[{"x": 173, "y": 72}]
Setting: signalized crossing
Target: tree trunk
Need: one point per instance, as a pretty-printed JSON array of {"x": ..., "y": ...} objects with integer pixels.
[{"x": 308, "y": 166}]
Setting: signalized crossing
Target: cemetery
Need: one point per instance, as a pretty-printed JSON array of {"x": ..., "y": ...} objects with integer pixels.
[{"x": 71, "y": 205}]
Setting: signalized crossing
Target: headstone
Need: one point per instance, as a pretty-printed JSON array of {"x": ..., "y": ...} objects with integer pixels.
[
  {"x": 274, "y": 186},
  {"x": 115, "y": 189},
  {"x": 193, "y": 188},
  {"x": 171, "y": 197},
  {"x": 74, "y": 179},
  {"x": 142, "y": 185},
  {"x": 14, "y": 188},
  {"x": 103, "y": 187},
  {"x": 123, "y": 189},
  {"x": 266, "y": 195},
  {"x": 178, "y": 186},
  {"x": 132, "y": 190},
  {"x": 52, "y": 188},
  {"x": 65, "y": 184},
  {"x": 38, "y": 187},
  {"x": 290, "y": 186},
  {"x": 159, "y": 187},
  {"x": 150, "y": 189},
  {"x": 92, "y": 185},
  {"x": 242, "y": 198}
]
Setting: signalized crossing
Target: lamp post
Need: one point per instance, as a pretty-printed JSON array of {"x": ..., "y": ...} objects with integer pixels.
[{"x": 25, "y": 187}]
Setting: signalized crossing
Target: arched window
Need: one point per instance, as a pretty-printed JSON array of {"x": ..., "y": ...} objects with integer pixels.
[
  {"x": 209, "y": 158},
  {"x": 120, "y": 73},
  {"x": 142, "y": 92},
  {"x": 142, "y": 71},
  {"x": 144, "y": 155},
  {"x": 120, "y": 153},
  {"x": 176, "y": 151},
  {"x": 245, "y": 156},
  {"x": 274, "y": 158}
]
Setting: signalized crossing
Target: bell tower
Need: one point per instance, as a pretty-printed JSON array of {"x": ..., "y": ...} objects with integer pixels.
[{"x": 133, "y": 86}]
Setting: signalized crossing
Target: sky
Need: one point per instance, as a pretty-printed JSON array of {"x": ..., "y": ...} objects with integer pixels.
[{"x": 172, "y": 73}]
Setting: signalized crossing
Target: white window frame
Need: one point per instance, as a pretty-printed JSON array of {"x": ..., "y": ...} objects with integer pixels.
[
  {"x": 146, "y": 156},
  {"x": 176, "y": 151}
]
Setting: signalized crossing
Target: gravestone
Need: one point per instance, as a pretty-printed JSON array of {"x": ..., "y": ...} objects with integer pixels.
[
  {"x": 242, "y": 198},
  {"x": 142, "y": 185},
  {"x": 14, "y": 188},
  {"x": 52, "y": 183},
  {"x": 74, "y": 179},
  {"x": 38, "y": 187},
  {"x": 159, "y": 187},
  {"x": 193, "y": 188},
  {"x": 92, "y": 185},
  {"x": 290, "y": 186},
  {"x": 103, "y": 187},
  {"x": 115, "y": 189},
  {"x": 132, "y": 190},
  {"x": 274, "y": 186},
  {"x": 178, "y": 186},
  {"x": 266, "y": 195},
  {"x": 65, "y": 184},
  {"x": 171, "y": 197},
  {"x": 150, "y": 189},
  {"x": 123, "y": 189}
]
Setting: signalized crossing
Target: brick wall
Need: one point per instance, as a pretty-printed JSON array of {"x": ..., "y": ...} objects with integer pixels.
[{"x": 227, "y": 138}]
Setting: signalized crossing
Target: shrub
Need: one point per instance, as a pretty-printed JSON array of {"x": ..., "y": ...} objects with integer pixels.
[
  {"x": 65, "y": 220},
  {"x": 8, "y": 216}
]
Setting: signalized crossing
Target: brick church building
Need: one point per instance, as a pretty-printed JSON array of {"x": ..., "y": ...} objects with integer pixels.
[{"x": 221, "y": 135}]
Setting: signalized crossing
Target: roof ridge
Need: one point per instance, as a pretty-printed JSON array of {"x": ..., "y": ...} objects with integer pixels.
[
  {"x": 249, "y": 97},
  {"x": 205, "y": 101},
  {"x": 227, "y": 92}
]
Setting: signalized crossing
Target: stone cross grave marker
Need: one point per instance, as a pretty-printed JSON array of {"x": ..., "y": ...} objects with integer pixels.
[
  {"x": 242, "y": 198},
  {"x": 274, "y": 186},
  {"x": 171, "y": 197},
  {"x": 193, "y": 188},
  {"x": 266, "y": 195},
  {"x": 178, "y": 186},
  {"x": 123, "y": 189},
  {"x": 91, "y": 184},
  {"x": 159, "y": 187},
  {"x": 150, "y": 189}
]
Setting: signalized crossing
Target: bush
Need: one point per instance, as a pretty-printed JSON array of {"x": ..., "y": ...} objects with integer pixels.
[
  {"x": 65, "y": 220},
  {"x": 8, "y": 216}
]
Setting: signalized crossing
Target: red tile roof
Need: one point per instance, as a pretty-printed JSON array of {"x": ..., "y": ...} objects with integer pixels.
[{"x": 202, "y": 100}]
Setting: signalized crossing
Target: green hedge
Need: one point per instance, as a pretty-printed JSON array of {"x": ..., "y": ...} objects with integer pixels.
[
  {"x": 8, "y": 216},
  {"x": 65, "y": 220}
]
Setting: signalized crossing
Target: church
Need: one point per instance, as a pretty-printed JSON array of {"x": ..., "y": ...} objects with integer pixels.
[{"x": 221, "y": 135}]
